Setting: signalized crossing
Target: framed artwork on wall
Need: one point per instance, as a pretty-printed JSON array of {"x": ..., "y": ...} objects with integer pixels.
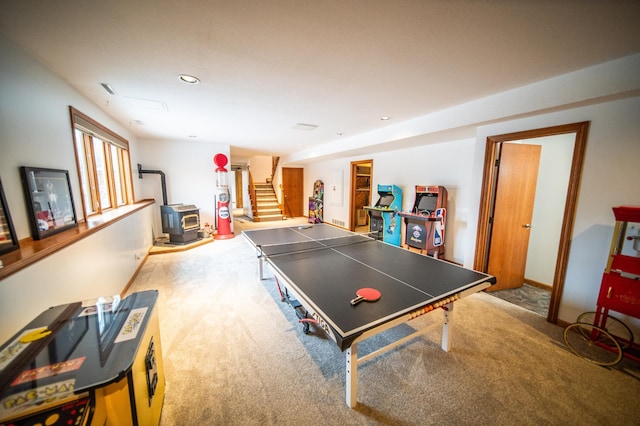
[
  {"x": 8, "y": 239},
  {"x": 49, "y": 201}
]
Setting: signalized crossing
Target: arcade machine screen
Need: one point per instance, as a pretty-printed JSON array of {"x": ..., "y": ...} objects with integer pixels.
[
  {"x": 385, "y": 200},
  {"x": 427, "y": 204}
]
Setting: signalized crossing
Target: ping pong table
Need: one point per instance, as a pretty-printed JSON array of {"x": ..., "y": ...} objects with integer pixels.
[{"x": 319, "y": 268}]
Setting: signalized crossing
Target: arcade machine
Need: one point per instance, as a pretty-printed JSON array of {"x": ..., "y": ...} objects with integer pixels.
[
  {"x": 97, "y": 364},
  {"x": 424, "y": 225},
  {"x": 223, "y": 215},
  {"x": 316, "y": 203},
  {"x": 383, "y": 217}
]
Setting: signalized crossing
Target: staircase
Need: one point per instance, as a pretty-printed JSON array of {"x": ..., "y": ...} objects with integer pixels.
[{"x": 266, "y": 203}]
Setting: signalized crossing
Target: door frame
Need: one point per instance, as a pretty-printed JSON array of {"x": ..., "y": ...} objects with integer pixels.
[
  {"x": 487, "y": 198},
  {"x": 353, "y": 213}
]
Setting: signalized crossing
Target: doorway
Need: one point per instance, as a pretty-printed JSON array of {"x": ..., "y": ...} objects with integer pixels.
[
  {"x": 488, "y": 202},
  {"x": 361, "y": 181},
  {"x": 237, "y": 173}
]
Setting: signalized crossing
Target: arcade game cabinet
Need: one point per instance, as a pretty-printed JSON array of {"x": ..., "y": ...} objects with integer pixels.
[
  {"x": 98, "y": 364},
  {"x": 424, "y": 225},
  {"x": 316, "y": 203},
  {"x": 383, "y": 221}
]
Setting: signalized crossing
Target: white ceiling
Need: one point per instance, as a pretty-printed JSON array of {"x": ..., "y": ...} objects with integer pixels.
[{"x": 266, "y": 65}]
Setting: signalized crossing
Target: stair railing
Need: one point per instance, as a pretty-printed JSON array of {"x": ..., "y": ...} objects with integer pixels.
[{"x": 252, "y": 196}]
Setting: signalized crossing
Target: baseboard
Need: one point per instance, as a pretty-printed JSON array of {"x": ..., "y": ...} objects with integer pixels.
[{"x": 538, "y": 284}]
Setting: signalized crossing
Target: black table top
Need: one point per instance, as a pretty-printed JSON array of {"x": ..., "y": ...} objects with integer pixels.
[
  {"x": 327, "y": 278},
  {"x": 87, "y": 348}
]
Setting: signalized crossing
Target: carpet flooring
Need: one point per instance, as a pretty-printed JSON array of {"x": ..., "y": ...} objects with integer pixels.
[
  {"x": 528, "y": 297},
  {"x": 234, "y": 354}
]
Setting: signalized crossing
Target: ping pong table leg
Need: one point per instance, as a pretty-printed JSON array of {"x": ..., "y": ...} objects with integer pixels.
[
  {"x": 351, "y": 385},
  {"x": 446, "y": 327}
]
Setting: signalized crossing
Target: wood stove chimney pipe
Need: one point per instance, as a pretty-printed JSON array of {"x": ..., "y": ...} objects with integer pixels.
[{"x": 162, "y": 181}]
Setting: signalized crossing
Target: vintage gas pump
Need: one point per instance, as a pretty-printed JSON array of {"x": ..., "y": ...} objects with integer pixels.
[{"x": 224, "y": 197}]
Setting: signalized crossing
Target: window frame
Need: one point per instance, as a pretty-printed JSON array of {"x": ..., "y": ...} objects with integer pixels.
[{"x": 89, "y": 181}]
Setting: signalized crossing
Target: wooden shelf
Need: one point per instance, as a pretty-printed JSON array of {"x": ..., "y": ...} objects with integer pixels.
[{"x": 31, "y": 251}]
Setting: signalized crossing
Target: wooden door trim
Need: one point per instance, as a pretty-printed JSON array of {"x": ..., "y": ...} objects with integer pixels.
[
  {"x": 353, "y": 214},
  {"x": 487, "y": 197}
]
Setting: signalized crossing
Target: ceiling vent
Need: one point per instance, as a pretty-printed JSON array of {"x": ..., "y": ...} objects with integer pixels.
[
  {"x": 305, "y": 127},
  {"x": 147, "y": 104},
  {"x": 108, "y": 88}
]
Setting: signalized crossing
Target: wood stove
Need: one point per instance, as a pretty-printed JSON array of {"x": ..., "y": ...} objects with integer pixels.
[{"x": 181, "y": 222}]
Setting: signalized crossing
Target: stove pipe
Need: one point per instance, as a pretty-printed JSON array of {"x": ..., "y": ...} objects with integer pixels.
[{"x": 162, "y": 181}]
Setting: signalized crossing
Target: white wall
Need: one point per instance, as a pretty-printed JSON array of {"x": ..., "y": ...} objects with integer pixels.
[
  {"x": 189, "y": 172},
  {"x": 448, "y": 164},
  {"x": 35, "y": 130},
  {"x": 99, "y": 265},
  {"x": 261, "y": 168},
  {"x": 610, "y": 178},
  {"x": 551, "y": 193}
]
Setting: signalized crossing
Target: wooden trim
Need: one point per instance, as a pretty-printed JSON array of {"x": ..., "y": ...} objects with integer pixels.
[
  {"x": 538, "y": 284},
  {"x": 32, "y": 251},
  {"x": 482, "y": 237},
  {"x": 486, "y": 203},
  {"x": 353, "y": 214}
]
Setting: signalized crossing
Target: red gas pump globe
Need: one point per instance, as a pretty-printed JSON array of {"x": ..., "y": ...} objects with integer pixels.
[
  {"x": 223, "y": 213},
  {"x": 220, "y": 160}
]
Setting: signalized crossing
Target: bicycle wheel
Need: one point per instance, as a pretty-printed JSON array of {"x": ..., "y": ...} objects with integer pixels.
[
  {"x": 592, "y": 343},
  {"x": 613, "y": 326}
]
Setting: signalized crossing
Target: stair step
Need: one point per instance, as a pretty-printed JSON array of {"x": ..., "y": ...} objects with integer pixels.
[
  {"x": 268, "y": 211},
  {"x": 266, "y": 203},
  {"x": 269, "y": 218}
]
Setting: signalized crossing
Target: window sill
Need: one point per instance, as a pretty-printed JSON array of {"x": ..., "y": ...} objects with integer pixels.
[{"x": 31, "y": 251}]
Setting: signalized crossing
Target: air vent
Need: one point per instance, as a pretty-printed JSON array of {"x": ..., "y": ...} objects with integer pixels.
[
  {"x": 305, "y": 127},
  {"x": 338, "y": 222},
  {"x": 147, "y": 104},
  {"x": 108, "y": 88}
]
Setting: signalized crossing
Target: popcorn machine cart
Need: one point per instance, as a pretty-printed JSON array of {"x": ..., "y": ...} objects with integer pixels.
[{"x": 598, "y": 336}]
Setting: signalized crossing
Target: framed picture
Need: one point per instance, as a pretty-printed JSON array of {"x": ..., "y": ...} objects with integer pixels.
[
  {"x": 8, "y": 240},
  {"x": 49, "y": 201}
]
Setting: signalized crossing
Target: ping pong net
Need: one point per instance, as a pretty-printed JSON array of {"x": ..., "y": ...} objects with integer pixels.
[{"x": 281, "y": 249}]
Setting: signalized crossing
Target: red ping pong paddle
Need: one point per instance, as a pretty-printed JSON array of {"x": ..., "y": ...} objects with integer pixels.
[{"x": 368, "y": 294}]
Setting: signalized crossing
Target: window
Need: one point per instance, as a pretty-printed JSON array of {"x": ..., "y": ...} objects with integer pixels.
[{"x": 103, "y": 165}]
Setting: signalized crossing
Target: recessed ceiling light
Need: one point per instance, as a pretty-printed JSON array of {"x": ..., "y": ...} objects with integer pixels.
[
  {"x": 189, "y": 79},
  {"x": 385, "y": 118}
]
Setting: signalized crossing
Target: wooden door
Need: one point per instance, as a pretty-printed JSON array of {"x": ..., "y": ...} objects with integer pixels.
[
  {"x": 292, "y": 183},
  {"x": 513, "y": 210}
]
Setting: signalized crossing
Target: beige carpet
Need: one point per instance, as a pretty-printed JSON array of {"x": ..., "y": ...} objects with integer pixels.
[{"x": 235, "y": 355}]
